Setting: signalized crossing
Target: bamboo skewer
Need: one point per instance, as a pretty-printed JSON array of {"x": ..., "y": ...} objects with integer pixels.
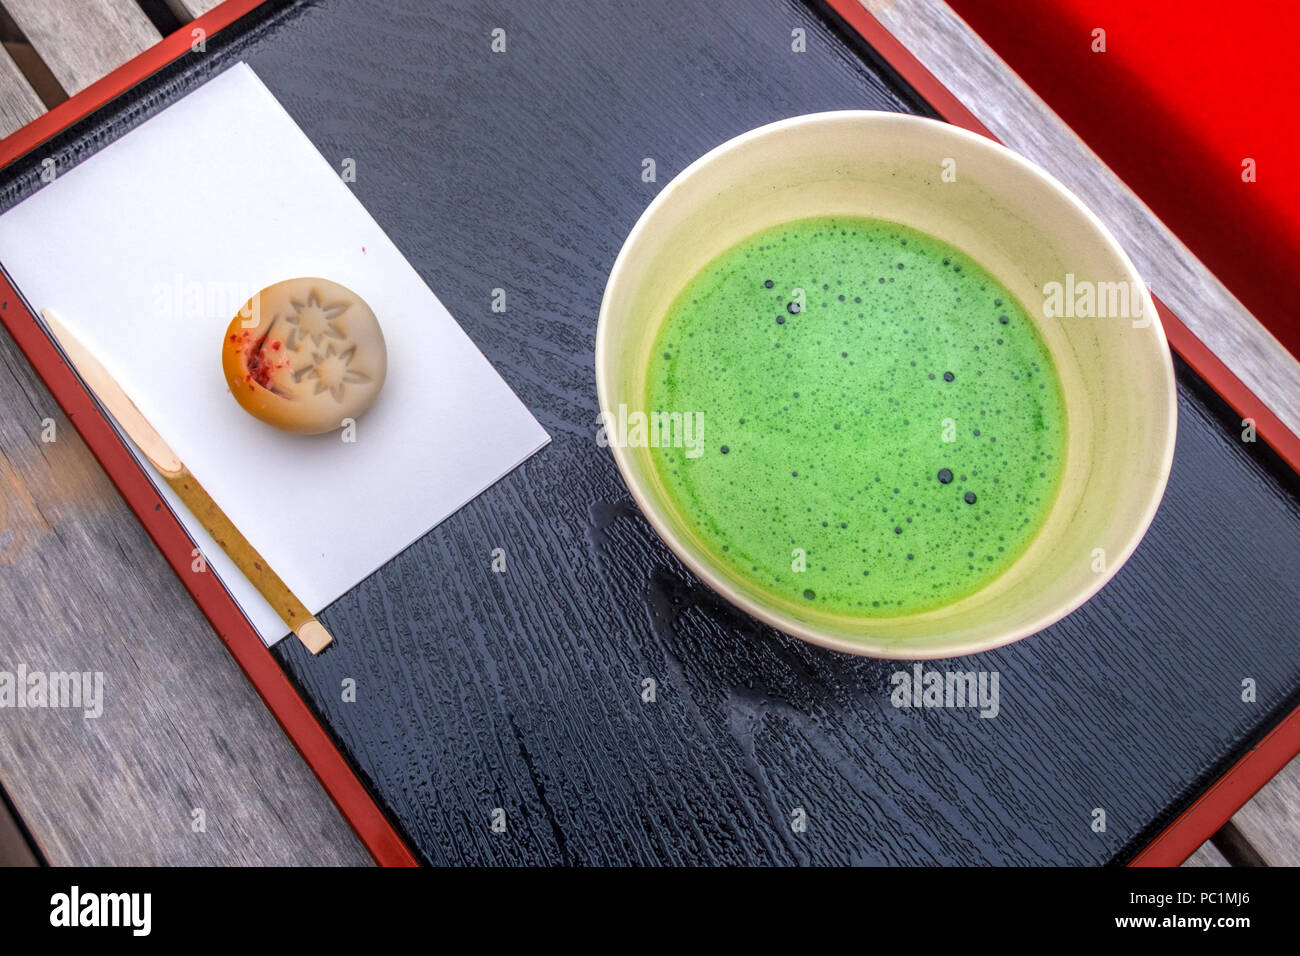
[{"x": 215, "y": 521}]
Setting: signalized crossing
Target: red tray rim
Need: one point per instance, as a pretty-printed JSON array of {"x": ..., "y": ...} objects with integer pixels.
[{"x": 1192, "y": 827}]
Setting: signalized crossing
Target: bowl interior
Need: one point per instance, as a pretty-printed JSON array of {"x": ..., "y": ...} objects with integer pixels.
[{"x": 1022, "y": 226}]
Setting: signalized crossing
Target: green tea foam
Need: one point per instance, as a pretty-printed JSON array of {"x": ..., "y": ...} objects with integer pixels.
[{"x": 884, "y": 429}]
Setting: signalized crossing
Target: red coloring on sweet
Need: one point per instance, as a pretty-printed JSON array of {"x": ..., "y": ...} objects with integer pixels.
[
  {"x": 261, "y": 368},
  {"x": 258, "y": 360}
]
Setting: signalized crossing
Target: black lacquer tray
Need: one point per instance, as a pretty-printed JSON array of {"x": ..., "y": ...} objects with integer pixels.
[{"x": 523, "y": 691}]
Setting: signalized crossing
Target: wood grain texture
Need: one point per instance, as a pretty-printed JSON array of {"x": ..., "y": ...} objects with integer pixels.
[
  {"x": 522, "y": 691},
  {"x": 1207, "y": 856},
  {"x": 82, "y": 588},
  {"x": 187, "y": 10},
  {"x": 14, "y": 849},
  {"x": 1271, "y": 820},
  {"x": 19, "y": 104},
  {"x": 81, "y": 40}
]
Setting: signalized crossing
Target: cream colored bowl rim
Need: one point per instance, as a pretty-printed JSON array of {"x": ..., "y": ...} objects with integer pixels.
[{"x": 866, "y": 645}]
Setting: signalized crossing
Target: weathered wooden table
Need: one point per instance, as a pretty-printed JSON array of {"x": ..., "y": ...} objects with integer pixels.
[{"x": 81, "y": 581}]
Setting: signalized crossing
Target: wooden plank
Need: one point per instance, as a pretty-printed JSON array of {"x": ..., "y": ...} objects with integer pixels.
[
  {"x": 81, "y": 40},
  {"x": 14, "y": 850},
  {"x": 1207, "y": 855},
  {"x": 19, "y": 104},
  {"x": 1271, "y": 821},
  {"x": 187, "y": 10},
  {"x": 84, "y": 589}
]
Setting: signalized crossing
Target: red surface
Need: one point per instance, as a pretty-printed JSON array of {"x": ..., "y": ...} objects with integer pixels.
[
  {"x": 315, "y": 745},
  {"x": 1185, "y": 91},
  {"x": 1195, "y": 825}
]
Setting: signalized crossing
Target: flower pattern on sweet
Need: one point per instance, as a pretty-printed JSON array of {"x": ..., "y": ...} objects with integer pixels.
[
  {"x": 331, "y": 372},
  {"x": 313, "y": 320}
]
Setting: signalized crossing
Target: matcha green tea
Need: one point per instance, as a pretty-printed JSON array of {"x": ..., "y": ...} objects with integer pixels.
[{"x": 883, "y": 427}]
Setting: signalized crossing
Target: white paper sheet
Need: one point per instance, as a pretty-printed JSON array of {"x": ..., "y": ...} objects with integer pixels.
[{"x": 147, "y": 249}]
